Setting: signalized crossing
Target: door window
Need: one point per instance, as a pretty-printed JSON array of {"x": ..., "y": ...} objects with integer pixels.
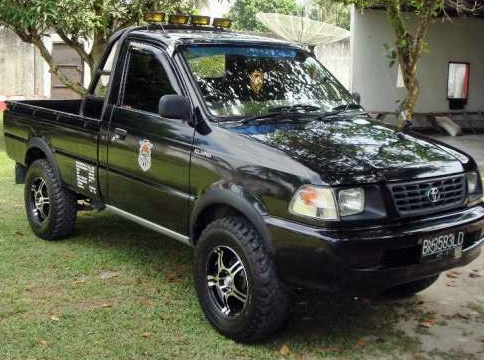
[
  {"x": 103, "y": 80},
  {"x": 146, "y": 82}
]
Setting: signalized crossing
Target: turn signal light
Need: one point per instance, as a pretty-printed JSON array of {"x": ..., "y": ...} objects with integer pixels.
[
  {"x": 155, "y": 17},
  {"x": 222, "y": 23},
  {"x": 200, "y": 20},
  {"x": 178, "y": 19}
]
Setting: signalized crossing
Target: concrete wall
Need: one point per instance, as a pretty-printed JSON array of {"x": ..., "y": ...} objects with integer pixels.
[
  {"x": 336, "y": 58},
  {"x": 23, "y": 72},
  {"x": 21, "y": 67},
  {"x": 456, "y": 40}
]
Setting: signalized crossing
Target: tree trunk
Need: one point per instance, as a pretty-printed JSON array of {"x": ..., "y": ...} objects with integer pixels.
[
  {"x": 409, "y": 49},
  {"x": 96, "y": 54},
  {"x": 413, "y": 89}
]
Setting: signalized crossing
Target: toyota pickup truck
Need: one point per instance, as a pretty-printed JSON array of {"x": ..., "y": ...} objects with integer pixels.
[{"x": 248, "y": 150}]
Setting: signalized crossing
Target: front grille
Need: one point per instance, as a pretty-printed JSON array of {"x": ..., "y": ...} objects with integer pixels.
[{"x": 415, "y": 198}]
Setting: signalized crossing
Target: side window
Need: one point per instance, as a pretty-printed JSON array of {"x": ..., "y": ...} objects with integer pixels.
[
  {"x": 94, "y": 101},
  {"x": 146, "y": 82},
  {"x": 103, "y": 81}
]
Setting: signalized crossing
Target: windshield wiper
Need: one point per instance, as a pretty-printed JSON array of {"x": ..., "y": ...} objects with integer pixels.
[
  {"x": 294, "y": 108},
  {"x": 273, "y": 115},
  {"x": 291, "y": 112},
  {"x": 342, "y": 108},
  {"x": 349, "y": 106}
]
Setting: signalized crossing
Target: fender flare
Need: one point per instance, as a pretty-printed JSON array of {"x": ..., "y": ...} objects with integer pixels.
[
  {"x": 49, "y": 154},
  {"x": 238, "y": 198}
]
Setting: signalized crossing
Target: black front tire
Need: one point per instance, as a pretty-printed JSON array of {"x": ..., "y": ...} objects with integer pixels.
[
  {"x": 51, "y": 208},
  {"x": 268, "y": 301},
  {"x": 411, "y": 288}
]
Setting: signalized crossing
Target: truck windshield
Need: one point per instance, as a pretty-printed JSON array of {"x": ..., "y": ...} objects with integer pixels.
[{"x": 250, "y": 81}]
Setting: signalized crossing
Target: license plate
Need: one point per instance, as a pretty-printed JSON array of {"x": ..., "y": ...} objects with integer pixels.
[{"x": 443, "y": 246}]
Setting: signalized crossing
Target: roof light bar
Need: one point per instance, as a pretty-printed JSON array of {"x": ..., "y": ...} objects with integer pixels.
[
  {"x": 200, "y": 20},
  {"x": 222, "y": 23},
  {"x": 178, "y": 19},
  {"x": 155, "y": 17}
]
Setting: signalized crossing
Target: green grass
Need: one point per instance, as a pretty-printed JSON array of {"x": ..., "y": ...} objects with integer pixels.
[{"x": 54, "y": 303}]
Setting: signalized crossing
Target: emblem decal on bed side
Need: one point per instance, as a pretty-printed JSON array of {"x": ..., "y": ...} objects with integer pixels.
[
  {"x": 144, "y": 156},
  {"x": 86, "y": 177}
]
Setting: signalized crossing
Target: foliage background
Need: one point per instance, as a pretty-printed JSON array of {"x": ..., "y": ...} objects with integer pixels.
[{"x": 243, "y": 12}]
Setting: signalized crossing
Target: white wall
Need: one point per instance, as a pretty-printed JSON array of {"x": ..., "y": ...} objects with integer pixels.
[
  {"x": 336, "y": 58},
  {"x": 21, "y": 67},
  {"x": 23, "y": 72},
  {"x": 456, "y": 40}
]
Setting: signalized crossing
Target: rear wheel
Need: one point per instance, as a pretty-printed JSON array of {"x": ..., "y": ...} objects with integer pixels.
[
  {"x": 411, "y": 288},
  {"x": 237, "y": 284},
  {"x": 51, "y": 208}
]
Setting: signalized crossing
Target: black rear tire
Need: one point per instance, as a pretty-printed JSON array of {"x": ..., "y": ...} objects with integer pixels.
[
  {"x": 249, "y": 303},
  {"x": 51, "y": 208},
  {"x": 411, "y": 288}
]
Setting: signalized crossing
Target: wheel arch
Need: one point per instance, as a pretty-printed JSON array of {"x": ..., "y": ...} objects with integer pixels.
[
  {"x": 226, "y": 199},
  {"x": 37, "y": 149}
]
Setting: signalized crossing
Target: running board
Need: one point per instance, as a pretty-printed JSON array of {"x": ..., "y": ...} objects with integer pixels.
[{"x": 151, "y": 225}]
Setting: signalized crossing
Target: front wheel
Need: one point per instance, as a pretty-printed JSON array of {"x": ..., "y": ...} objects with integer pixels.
[
  {"x": 237, "y": 283},
  {"x": 51, "y": 208}
]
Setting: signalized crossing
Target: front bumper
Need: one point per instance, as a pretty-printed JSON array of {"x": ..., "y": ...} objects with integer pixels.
[{"x": 366, "y": 261}]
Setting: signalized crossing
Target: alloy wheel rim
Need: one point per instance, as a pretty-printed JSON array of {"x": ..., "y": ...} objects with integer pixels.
[
  {"x": 40, "y": 202},
  {"x": 227, "y": 281}
]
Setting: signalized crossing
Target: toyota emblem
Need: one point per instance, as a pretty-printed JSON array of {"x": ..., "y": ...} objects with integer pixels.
[{"x": 433, "y": 194}]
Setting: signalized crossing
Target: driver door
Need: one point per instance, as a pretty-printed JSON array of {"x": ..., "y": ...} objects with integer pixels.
[{"x": 149, "y": 156}]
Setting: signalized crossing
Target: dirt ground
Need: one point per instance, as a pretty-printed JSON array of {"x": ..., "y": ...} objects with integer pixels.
[
  {"x": 443, "y": 322},
  {"x": 454, "y": 310}
]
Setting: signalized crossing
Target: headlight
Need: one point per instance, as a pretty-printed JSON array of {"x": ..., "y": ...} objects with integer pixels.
[
  {"x": 472, "y": 182},
  {"x": 319, "y": 202},
  {"x": 351, "y": 201},
  {"x": 315, "y": 202}
]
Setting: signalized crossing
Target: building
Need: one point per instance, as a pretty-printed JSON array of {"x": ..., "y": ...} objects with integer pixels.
[
  {"x": 25, "y": 74},
  {"x": 450, "y": 40}
]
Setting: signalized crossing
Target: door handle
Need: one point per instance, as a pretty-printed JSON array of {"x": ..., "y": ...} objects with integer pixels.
[{"x": 119, "y": 134}]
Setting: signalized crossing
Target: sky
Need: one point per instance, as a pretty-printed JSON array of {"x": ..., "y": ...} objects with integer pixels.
[{"x": 216, "y": 8}]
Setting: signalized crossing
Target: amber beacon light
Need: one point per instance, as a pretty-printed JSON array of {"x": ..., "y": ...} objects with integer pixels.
[
  {"x": 154, "y": 16},
  {"x": 178, "y": 19},
  {"x": 200, "y": 20},
  {"x": 222, "y": 23}
]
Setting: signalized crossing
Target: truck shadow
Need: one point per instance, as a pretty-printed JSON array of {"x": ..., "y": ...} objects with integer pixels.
[{"x": 329, "y": 322}]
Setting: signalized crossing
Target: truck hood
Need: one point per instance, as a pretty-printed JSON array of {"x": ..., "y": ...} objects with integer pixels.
[{"x": 355, "y": 149}]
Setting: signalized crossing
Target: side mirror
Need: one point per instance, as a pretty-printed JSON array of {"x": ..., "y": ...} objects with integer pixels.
[
  {"x": 175, "y": 107},
  {"x": 357, "y": 97}
]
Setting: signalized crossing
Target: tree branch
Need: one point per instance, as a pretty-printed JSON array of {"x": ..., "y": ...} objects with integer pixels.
[
  {"x": 423, "y": 26},
  {"x": 395, "y": 14},
  {"x": 36, "y": 40},
  {"x": 465, "y": 6},
  {"x": 76, "y": 45}
]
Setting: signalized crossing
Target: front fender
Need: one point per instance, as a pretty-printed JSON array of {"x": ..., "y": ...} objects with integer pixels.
[{"x": 238, "y": 198}]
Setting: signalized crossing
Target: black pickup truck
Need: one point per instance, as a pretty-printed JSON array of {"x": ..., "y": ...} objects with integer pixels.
[{"x": 251, "y": 152}]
